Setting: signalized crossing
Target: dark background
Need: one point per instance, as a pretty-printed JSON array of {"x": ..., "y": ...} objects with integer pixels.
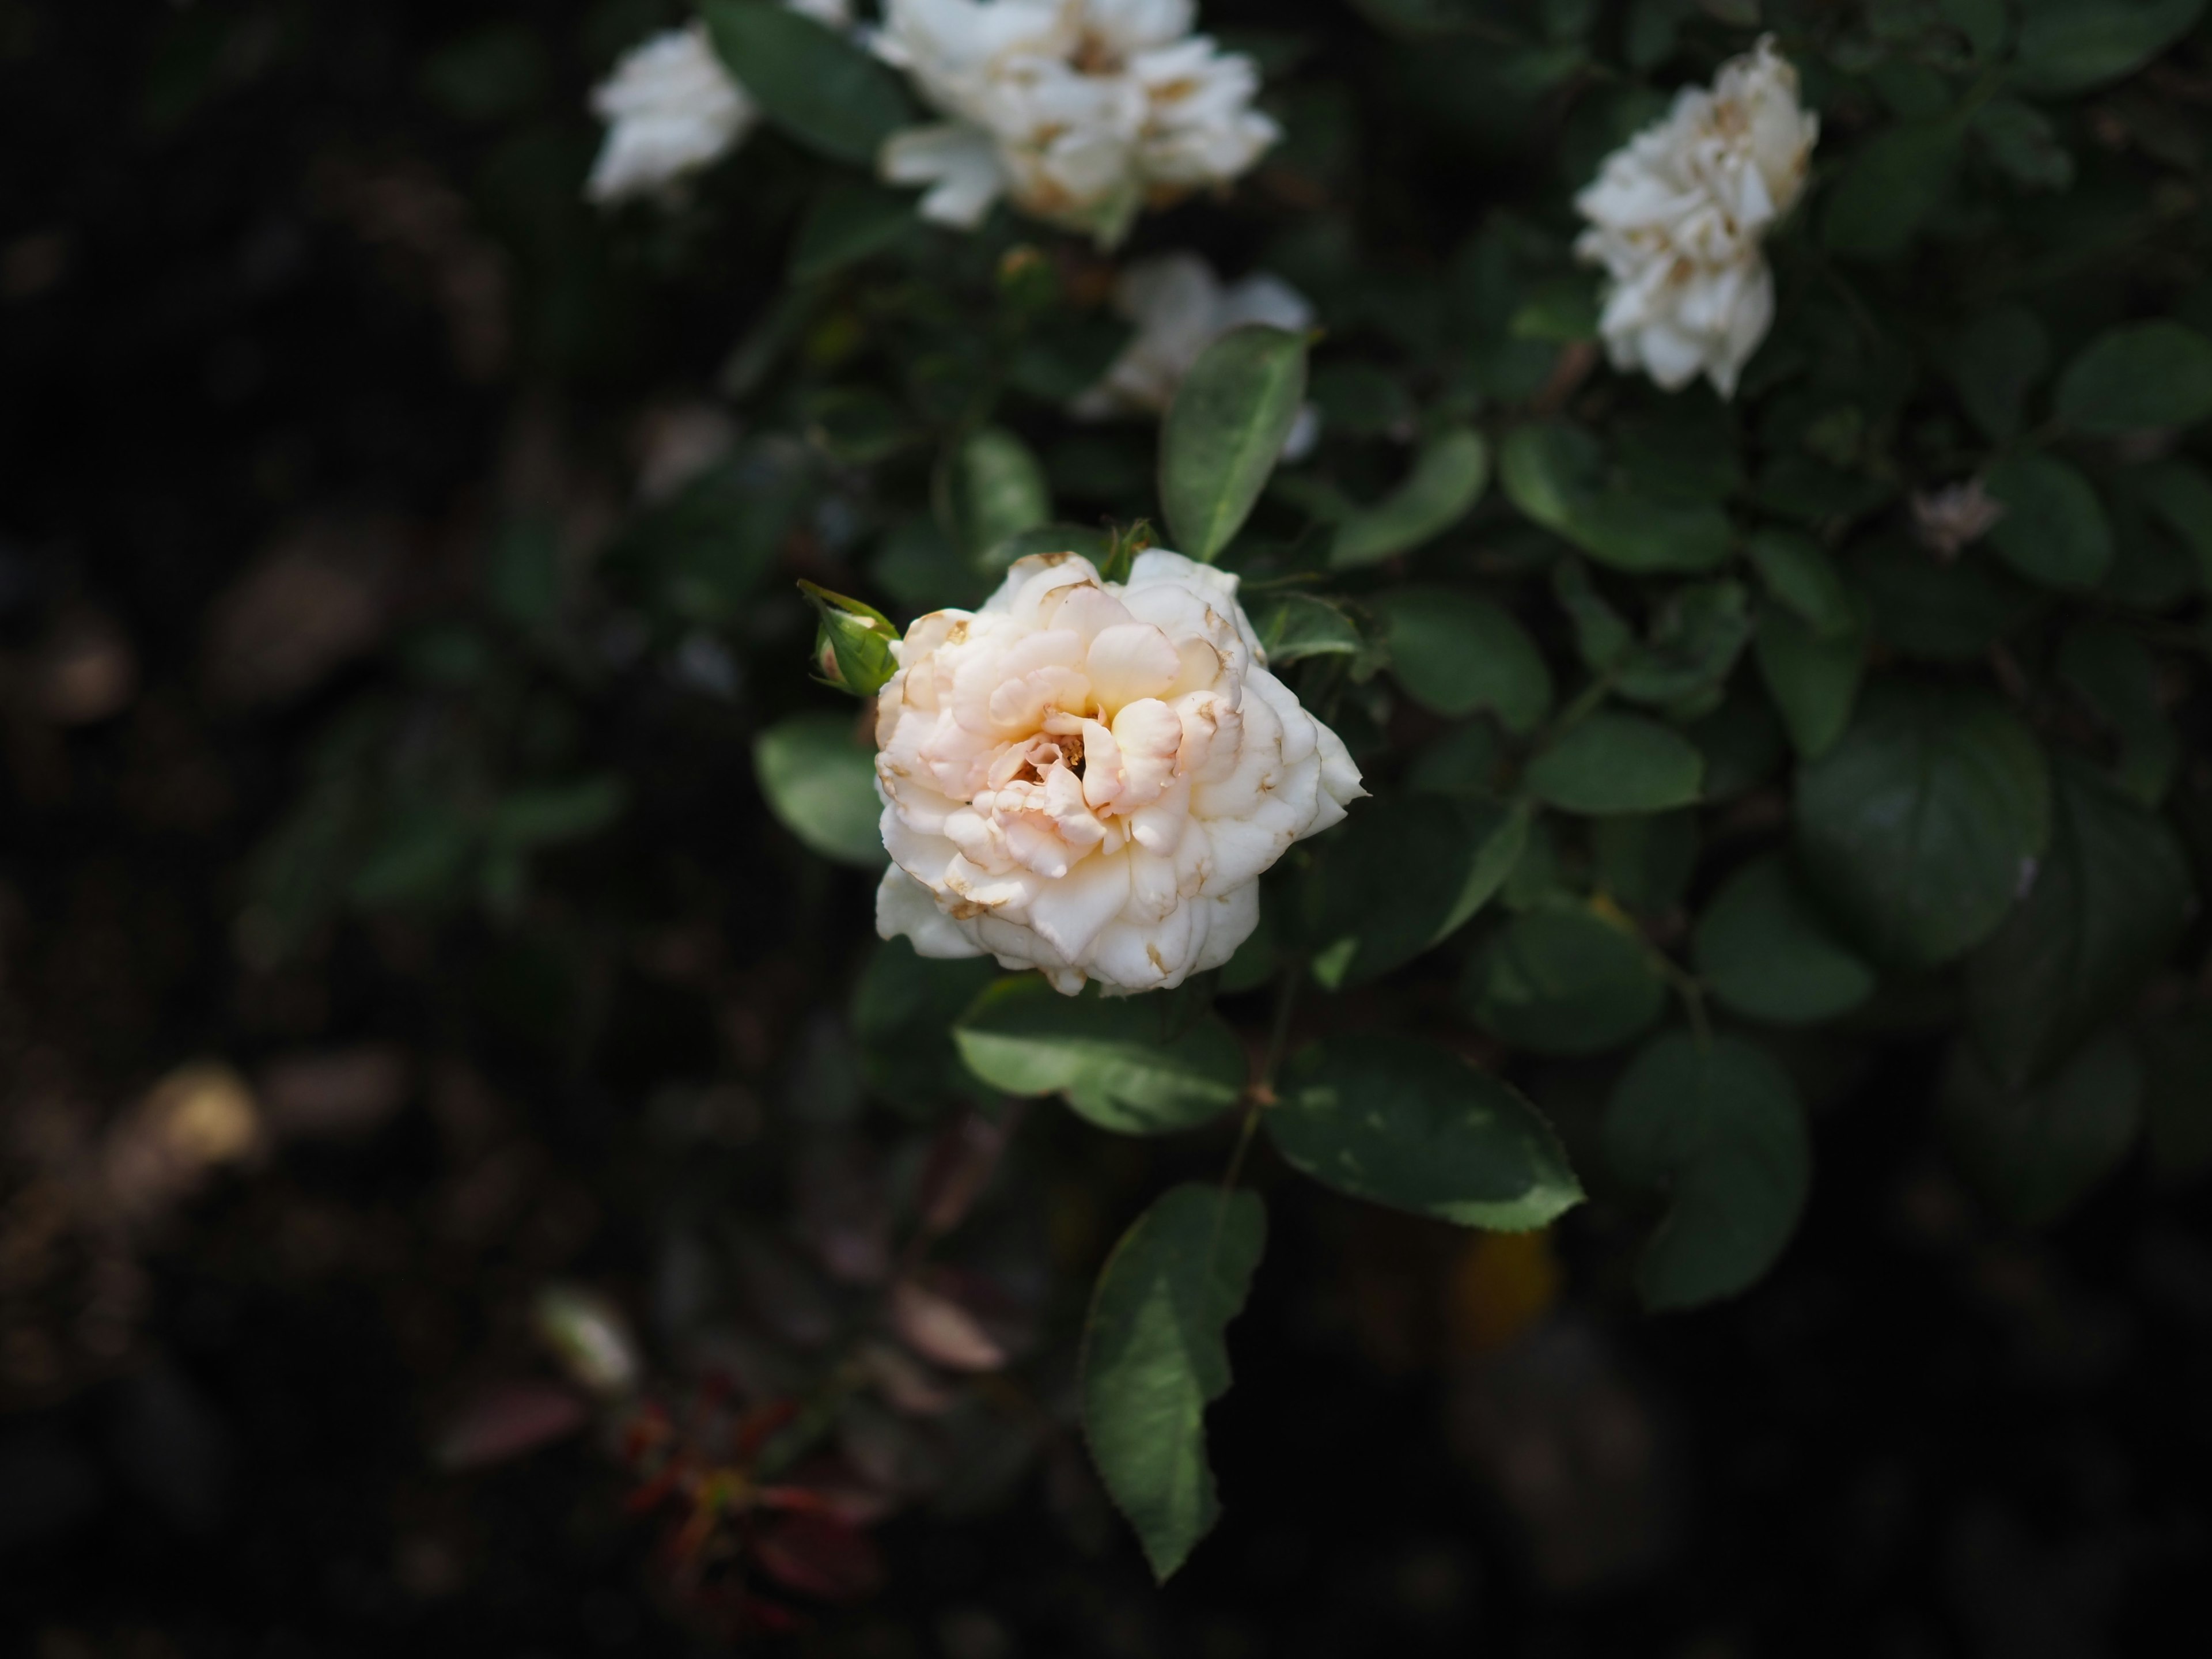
[{"x": 267, "y": 280}]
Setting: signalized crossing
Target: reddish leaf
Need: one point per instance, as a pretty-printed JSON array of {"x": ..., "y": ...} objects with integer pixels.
[
  {"x": 942, "y": 1320},
  {"x": 819, "y": 1557},
  {"x": 506, "y": 1422}
]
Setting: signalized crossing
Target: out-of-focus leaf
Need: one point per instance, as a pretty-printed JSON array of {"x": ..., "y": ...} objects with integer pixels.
[
  {"x": 1447, "y": 481},
  {"x": 557, "y": 812},
  {"x": 1697, "y": 634},
  {"x": 2021, "y": 139},
  {"x": 506, "y": 1422},
  {"x": 990, "y": 487},
  {"x": 819, "y": 780},
  {"x": 1996, "y": 363},
  {"x": 1890, "y": 187},
  {"x": 2108, "y": 903},
  {"x": 1456, "y": 653},
  {"x": 1154, "y": 1357},
  {"x": 1564, "y": 981},
  {"x": 1224, "y": 433},
  {"x": 2138, "y": 376},
  {"x": 1118, "y": 1061},
  {"x": 1768, "y": 955},
  {"x": 1463, "y": 849},
  {"x": 2071, "y": 45},
  {"x": 1718, "y": 1126},
  {"x": 2054, "y": 531},
  {"x": 2034, "y": 1153},
  {"x": 2111, "y": 670},
  {"x": 1918, "y": 828},
  {"x": 1610, "y": 762},
  {"x": 1403, "y": 1122},
  {"x": 1813, "y": 681},
  {"x": 1798, "y": 574},
  {"x": 848, "y": 221},
  {"x": 1552, "y": 473},
  {"x": 812, "y": 81}
]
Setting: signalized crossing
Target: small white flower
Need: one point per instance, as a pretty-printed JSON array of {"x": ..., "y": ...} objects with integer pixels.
[
  {"x": 1089, "y": 778},
  {"x": 671, "y": 109},
  {"x": 1954, "y": 518},
  {"x": 1081, "y": 111},
  {"x": 1677, "y": 216},
  {"x": 1181, "y": 307}
]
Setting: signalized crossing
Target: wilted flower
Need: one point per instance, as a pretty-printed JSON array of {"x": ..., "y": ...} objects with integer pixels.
[
  {"x": 1677, "y": 216},
  {"x": 1181, "y": 307},
  {"x": 1082, "y": 111},
  {"x": 1955, "y": 517},
  {"x": 1090, "y": 777}
]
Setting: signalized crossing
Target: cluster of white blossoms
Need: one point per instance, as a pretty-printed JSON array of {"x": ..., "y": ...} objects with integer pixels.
[
  {"x": 1677, "y": 216},
  {"x": 1090, "y": 777},
  {"x": 1179, "y": 308},
  {"x": 1081, "y": 112},
  {"x": 671, "y": 109}
]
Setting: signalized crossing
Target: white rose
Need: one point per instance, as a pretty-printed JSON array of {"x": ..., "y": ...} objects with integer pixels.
[
  {"x": 1677, "y": 216},
  {"x": 1081, "y": 111},
  {"x": 1089, "y": 778},
  {"x": 1181, "y": 307},
  {"x": 671, "y": 109}
]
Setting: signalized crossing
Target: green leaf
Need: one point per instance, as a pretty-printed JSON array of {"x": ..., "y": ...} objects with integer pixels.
[
  {"x": 1611, "y": 763},
  {"x": 1945, "y": 612},
  {"x": 1890, "y": 187},
  {"x": 2178, "y": 492},
  {"x": 2033, "y": 1153},
  {"x": 2112, "y": 672},
  {"x": 1718, "y": 1126},
  {"x": 1697, "y": 634},
  {"x": 1154, "y": 1357},
  {"x": 2071, "y": 46},
  {"x": 2053, "y": 532},
  {"x": 1456, "y": 653},
  {"x": 1767, "y": 954},
  {"x": 1798, "y": 574},
  {"x": 1446, "y": 482},
  {"x": 418, "y": 853},
  {"x": 857, "y": 425},
  {"x": 2021, "y": 139},
  {"x": 1399, "y": 1122},
  {"x": 1813, "y": 681},
  {"x": 558, "y": 812},
  {"x": 2110, "y": 901},
  {"x": 903, "y": 1009},
  {"x": 1464, "y": 851},
  {"x": 1224, "y": 433},
  {"x": 1996, "y": 363},
  {"x": 1918, "y": 828},
  {"x": 810, "y": 79},
  {"x": 1564, "y": 981},
  {"x": 848, "y": 221},
  {"x": 1293, "y": 626},
  {"x": 1118, "y": 1060},
  {"x": 523, "y": 574},
  {"x": 2137, "y": 377},
  {"x": 1645, "y": 860},
  {"x": 988, "y": 487},
  {"x": 1603, "y": 638},
  {"x": 820, "y": 782},
  {"x": 1552, "y": 473}
]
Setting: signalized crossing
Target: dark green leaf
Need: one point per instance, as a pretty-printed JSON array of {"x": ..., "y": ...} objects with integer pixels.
[
  {"x": 418, "y": 853},
  {"x": 1798, "y": 574},
  {"x": 819, "y": 779},
  {"x": 1697, "y": 634},
  {"x": 1813, "y": 681},
  {"x": 1464, "y": 851},
  {"x": 1456, "y": 653},
  {"x": 1462, "y": 763},
  {"x": 1293, "y": 626},
  {"x": 990, "y": 487},
  {"x": 1890, "y": 187},
  {"x": 1447, "y": 481},
  {"x": 1564, "y": 981},
  {"x": 1402, "y": 1122},
  {"x": 1645, "y": 860},
  {"x": 814, "y": 83},
  {"x": 1552, "y": 473},
  {"x": 2139, "y": 376},
  {"x": 1945, "y": 612},
  {"x": 2111, "y": 670},
  {"x": 1919, "y": 827},
  {"x": 1224, "y": 433},
  {"x": 1154, "y": 1357},
  {"x": 903, "y": 1011},
  {"x": 848, "y": 221},
  {"x": 1612, "y": 762},
  {"x": 2053, "y": 532},
  {"x": 1717, "y": 1126},
  {"x": 1996, "y": 363},
  {"x": 1768, "y": 955},
  {"x": 2110, "y": 901},
  {"x": 2071, "y": 46},
  {"x": 2033, "y": 1153},
  {"x": 2021, "y": 139},
  {"x": 558, "y": 812},
  {"x": 1119, "y": 1060},
  {"x": 2180, "y": 495}
]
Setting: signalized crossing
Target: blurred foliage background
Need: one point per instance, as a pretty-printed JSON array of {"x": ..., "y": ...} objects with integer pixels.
[{"x": 396, "y": 562}]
